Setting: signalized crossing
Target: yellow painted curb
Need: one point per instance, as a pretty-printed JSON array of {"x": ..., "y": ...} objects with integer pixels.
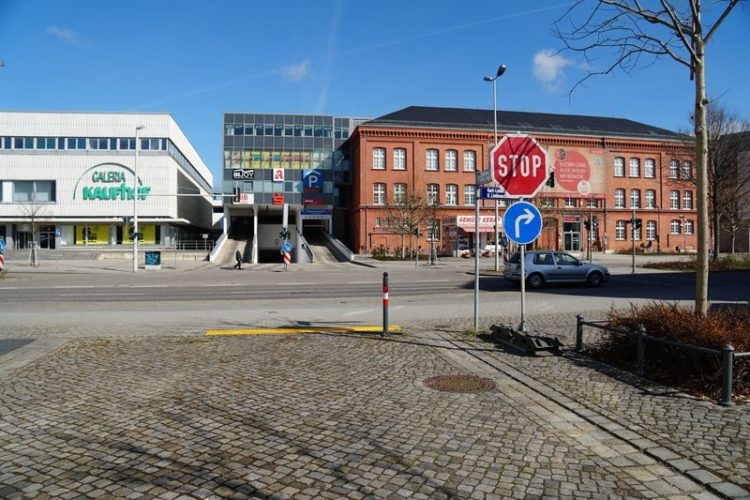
[{"x": 304, "y": 329}]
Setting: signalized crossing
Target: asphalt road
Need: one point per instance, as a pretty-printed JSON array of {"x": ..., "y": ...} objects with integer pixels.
[{"x": 267, "y": 296}]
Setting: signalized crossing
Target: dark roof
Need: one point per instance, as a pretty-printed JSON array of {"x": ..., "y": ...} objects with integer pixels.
[{"x": 518, "y": 121}]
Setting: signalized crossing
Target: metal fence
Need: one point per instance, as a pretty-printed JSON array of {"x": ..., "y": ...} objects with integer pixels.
[
  {"x": 205, "y": 245},
  {"x": 727, "y": 353}
]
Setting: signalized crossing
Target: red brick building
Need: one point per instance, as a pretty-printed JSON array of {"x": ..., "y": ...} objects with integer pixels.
[{"x": 607, "y": 170}]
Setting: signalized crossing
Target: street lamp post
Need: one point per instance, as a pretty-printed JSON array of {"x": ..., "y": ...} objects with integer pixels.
[
  {"x": 684, "y": 234},
  {"x": 500, "y": 70},
  {"x": 135, "y": 200}
]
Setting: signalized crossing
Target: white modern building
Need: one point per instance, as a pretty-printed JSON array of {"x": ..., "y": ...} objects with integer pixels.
[{"x": 69, "y": 178}]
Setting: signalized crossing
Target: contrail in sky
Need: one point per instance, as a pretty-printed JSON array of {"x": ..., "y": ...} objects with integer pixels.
[{"x": 331, "y": 56}]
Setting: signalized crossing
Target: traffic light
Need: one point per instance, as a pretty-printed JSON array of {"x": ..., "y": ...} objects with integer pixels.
[
  {"x": 284, "y": 234},
  {"x": 236, "y": 194},
  {"x": 551, "y": 181},
  {"x": 587, "y": 225},
  {"x": 637, "y": 223}
]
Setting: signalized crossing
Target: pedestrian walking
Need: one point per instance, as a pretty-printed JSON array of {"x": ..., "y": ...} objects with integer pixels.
[{"x": 238, "y": 256}]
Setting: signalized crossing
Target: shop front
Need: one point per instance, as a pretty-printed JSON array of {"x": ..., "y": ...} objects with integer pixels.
[{"x": 460, "y": 233}]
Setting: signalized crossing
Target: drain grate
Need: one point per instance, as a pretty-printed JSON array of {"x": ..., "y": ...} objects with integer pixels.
[{"x": 459, "y": 383}]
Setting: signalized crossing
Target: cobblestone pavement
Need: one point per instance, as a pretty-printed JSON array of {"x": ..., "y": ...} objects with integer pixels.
[{"x": 331, "y": 416}]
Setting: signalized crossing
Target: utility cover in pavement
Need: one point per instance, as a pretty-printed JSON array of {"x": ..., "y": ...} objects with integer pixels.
[{"x": 459, "y": 383}]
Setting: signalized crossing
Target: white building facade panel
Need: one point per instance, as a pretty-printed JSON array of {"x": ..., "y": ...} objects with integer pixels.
[{"x": 67, "y": 179}]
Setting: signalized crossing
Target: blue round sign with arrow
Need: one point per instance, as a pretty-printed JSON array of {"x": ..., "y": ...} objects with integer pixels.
[
  {"x": 522, "y": 222},
  {"x": 286, "y": 247}
]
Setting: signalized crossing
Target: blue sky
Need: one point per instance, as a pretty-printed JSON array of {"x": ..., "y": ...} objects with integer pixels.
[{"x": 197, "y": 60}]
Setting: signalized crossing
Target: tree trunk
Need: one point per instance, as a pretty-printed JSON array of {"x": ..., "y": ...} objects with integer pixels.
[{"x": 701, "y": 157}]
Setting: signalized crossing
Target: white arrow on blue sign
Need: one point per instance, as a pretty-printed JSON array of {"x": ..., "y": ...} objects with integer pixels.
[
  {"x": 2, "y": 246},
  {"x": 286, "y": 247},
  {"x": 522, "y": 222}
]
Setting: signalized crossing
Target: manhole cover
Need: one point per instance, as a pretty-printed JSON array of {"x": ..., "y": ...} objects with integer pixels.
[{"x": 459, "y": 383}]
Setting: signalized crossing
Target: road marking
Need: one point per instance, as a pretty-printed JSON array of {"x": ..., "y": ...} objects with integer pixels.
[{"x": 304, "y": 329}]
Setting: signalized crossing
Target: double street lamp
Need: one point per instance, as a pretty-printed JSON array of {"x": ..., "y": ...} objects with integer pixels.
[{"x": 500, "y": 70}]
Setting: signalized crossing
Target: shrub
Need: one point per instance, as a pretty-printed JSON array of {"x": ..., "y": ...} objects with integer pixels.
[{"x": 698, "y": 373}]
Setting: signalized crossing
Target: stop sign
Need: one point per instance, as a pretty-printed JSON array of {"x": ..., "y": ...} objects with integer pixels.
[{"x": 519, "y": 165}]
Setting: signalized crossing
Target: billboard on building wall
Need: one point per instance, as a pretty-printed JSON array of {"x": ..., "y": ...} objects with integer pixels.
[{"x": 578, "y": 171}]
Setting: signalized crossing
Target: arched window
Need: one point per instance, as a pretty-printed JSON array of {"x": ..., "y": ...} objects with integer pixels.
[
  {"x": 432, "y": 159},
  {"x": 399, "y": 159},
  {"x": 619, "y": 198},
  {"x": 378, "y": 193},
  {"x": 378, "y": 158},
  {"x": 470, "y": 161},
  {"x": 451, "y": 160}
]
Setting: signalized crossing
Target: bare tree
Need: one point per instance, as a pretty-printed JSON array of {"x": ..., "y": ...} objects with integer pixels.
[
  {"x": 636, "y": 35},
  {"x": 727, "y": 183},
  {"x": 404, "y": 216},
  {"x": 35, "y": 213},
  {"x": 733, "y": 185}
]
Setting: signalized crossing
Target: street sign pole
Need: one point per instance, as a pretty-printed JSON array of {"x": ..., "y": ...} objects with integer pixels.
[
  {"x": 476, "y": 254},
  {"x": 523, "y": 224},
  {"x": 522, "y": 326}
]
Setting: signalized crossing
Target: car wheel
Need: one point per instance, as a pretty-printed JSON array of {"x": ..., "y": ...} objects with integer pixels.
[
  {"x": 535, "y": 281},
  {"x": 595, "y": 279}
]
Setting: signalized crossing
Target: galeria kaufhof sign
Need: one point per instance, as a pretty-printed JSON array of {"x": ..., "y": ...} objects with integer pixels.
[{"x": 108, "y": 181}]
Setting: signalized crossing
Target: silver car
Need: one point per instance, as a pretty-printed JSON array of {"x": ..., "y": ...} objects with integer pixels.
[{"x": 548, "y": 266}]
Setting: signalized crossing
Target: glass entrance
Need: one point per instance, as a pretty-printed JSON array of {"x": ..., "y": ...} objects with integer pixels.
[
  {"x": 572, "y": 236},
  {"x": 47, "y": 237}
]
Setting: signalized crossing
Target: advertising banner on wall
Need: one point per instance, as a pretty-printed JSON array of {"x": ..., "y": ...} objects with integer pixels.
[{"x": 578, "y": 171}]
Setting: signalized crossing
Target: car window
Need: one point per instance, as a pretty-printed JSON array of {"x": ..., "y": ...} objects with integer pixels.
[
  {"x": 543, "y": 259},
  {"x": 515, "y": 258},
  {"x": 564, "y": 259}
]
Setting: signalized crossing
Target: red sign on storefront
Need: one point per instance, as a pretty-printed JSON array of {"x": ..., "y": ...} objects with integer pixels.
[{"x": 278, "y": 198}]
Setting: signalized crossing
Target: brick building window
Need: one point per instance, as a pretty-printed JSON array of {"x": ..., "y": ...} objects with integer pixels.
[
  {"x": 674, "y": 227},
  {"x": 649, "y": 168},
  {"x": 399, "y": 159},
  {"x": 635, "y": 198},
  {"x": 378, "y": 193},
  {"x": 688, "y": 226},
  {"x": 451, "y": 195},
  {"x": 674, "y": 200},
  {"x": 432, "y": 159},
  {"x": 451, "y": 159},
  {"x": 470, "y": 161},
  {"x": 619, "y": 166},
  {"x": 570, "y": 202},
  {"x": 687, "y": 169},
  {"x": 378, "y": 158},
  {"x": 635, "y": 167},
  {"x": 620, "y": 230},
  {"x": 674, "y": 169},
  {"x": 687, "y": 200},
  {"x": 651, "y": 230},
  {"x": 469, "y": 194},
  {"x": 399, "y": 194},
  {"x": 433, "y": 195},
  {"x": 650, "y": 198},
  {"x": 619, "y": 198}
]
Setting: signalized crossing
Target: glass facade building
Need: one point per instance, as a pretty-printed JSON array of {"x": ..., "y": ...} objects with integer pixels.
[{"x": 257, "y": 146}]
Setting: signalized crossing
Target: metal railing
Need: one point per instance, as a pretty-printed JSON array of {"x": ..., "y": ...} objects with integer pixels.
[
  {"x": 727, "y": 353},
  {"x": 204, "y": 245}
]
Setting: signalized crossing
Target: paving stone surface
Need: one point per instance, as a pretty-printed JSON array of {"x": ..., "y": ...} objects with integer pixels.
[{"x": 334, "y": 416}]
